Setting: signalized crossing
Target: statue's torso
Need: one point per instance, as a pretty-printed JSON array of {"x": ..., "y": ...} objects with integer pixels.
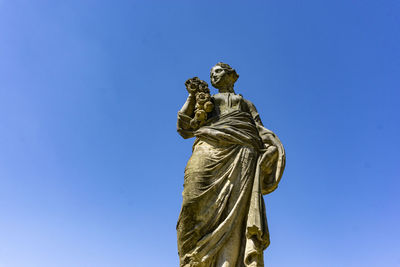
[{"x": 227, "y": 102}]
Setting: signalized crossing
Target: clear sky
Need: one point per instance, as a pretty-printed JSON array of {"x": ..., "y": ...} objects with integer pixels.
[{"x": 91, "y": 165}]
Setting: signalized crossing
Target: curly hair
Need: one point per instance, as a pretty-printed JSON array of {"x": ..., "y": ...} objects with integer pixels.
[{"x": 229, "y": 70}]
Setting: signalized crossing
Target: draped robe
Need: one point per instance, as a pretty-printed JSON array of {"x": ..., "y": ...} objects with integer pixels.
[{"x": 223, "y": 220}]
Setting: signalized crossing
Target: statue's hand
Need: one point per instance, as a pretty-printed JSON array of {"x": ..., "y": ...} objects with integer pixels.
[
  {"x": 191, "y": 89},
  {"x": 269, "y": 139},
  {"x": 270, "y": 154},
  {"x": 192, "y": 85}
]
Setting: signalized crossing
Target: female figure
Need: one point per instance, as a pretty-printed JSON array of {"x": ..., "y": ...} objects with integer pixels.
[{"x": 235, "y": 161}]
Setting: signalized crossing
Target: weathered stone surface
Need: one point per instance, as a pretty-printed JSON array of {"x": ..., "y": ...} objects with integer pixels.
[{"x": 235, "y": 161}]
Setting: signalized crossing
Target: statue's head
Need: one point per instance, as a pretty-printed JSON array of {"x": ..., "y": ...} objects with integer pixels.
[{"x": 223, "y": 76}]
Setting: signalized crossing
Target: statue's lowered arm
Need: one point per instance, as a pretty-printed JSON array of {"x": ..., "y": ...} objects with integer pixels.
[{"x": 273, "y": 159}]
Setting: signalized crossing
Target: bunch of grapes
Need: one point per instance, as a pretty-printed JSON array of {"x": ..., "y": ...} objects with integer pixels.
[{"x": 203, "y": 101}]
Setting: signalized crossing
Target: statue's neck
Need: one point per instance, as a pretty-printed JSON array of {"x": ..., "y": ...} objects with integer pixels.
[{"x": 226, "y": 90}]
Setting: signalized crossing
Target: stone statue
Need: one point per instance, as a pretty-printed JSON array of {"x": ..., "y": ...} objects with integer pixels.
[{"x": 235, "y": 161}]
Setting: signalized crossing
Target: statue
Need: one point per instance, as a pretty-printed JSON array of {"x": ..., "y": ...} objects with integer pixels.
[{"x": 235, "y": 161}]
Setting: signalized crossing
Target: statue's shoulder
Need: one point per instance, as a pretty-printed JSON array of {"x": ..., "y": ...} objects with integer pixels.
[{"x": 248, "y": 102}]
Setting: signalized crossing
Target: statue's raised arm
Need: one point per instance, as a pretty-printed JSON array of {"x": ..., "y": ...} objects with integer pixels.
[
  {"x": 235, "y": 161},
  {"x": 193, "y": 114}
]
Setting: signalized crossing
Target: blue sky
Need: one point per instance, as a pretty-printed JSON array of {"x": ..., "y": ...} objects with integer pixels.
[{"x": 91, "y": 166}]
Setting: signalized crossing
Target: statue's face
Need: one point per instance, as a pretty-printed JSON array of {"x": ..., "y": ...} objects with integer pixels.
[{"x": 219, "y": 77}]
